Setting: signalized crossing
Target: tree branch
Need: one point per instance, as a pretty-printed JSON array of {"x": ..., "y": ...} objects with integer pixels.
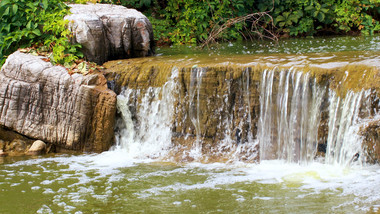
[{"x": 258, "y": 26}]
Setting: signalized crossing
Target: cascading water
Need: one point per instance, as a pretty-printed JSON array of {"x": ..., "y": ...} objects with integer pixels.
[
  {"x": 289, "y": 116},
  {"x": 144, "y": 129},
  {"x": 344, "y": 144},
  {"x": 194, "y": 110},
  {"x": 288, "y": 126},
  {"x": 237, "y": 139}
]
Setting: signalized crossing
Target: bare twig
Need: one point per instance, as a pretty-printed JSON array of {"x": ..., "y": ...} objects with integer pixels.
[{"x": 259, "y": 27}]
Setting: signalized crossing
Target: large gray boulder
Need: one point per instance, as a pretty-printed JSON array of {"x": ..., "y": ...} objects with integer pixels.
[
  {"x": 109, "y": 32},
  {"x": 42, "y": 101}
]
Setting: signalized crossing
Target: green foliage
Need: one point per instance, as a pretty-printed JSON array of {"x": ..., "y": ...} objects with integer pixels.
[
  {"x": 358, "y": 14},
  {"x": 194, "y": 19},
  {"x": 308, "y": 17},
  {"x": 190, "y": 21},
  {"x": 25, "y": 23}
]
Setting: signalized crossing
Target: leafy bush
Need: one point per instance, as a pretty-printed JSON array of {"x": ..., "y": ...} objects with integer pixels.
[
  {"x": 190, "y": 21},
  {"x": 308, "y": 17},
  {"x": 26, "y": 23}
]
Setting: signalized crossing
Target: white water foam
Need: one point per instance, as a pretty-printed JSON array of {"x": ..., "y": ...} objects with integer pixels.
[{"x": 315, "y": 178}]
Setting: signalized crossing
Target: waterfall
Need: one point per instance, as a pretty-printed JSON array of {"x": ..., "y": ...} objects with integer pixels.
[
  {"x": 194, "y": 110},
  {"x": 144, "y": 129},
  {"x": 277, "y": 115},
  {"x": 238, "y": 140},
  {"x": 344, "y": 143},
  {"x": 289, "y": 116}
]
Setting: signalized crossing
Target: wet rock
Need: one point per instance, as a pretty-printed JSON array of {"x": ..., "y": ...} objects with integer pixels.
[
  {"x": 38, "y": 147},
  {"x": 2, "y": 153},
  {"x": 110, "y": 32},
  {"x": 371, "y": 140},
  {"x": 42, "y": 101},
  {"x": 17, "y": 147},
  {"x": 2, "y": 144}
]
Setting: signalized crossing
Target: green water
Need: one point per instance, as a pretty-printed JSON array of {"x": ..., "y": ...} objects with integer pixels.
[
  {"x": 287, "y": 46},
  {"x": 101, "y": 184}
]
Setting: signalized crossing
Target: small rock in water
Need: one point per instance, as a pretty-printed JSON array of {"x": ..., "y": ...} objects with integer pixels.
[{"x": 37, "y": 148}]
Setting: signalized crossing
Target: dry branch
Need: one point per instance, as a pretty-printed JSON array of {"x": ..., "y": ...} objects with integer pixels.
[{"x": 259, "y": 26}]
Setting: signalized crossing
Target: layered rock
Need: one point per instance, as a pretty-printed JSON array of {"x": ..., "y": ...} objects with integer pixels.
[
  {"x": 42, "y": 101},
  {"x": 371, "y": 140},
  {"x": 110, "y": 32}
]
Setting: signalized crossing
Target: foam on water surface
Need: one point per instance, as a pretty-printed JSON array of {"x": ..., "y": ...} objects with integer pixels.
[{"x": 77, "y": 183}]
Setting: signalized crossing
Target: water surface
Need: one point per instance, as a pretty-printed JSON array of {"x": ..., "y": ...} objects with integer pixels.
[{"x": 112, "y": 183}]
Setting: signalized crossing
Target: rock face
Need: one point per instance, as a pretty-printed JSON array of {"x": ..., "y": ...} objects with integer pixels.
[
  {"x": 371, "y": 140},
  {"x": 110, "y": 32},
  {"x": 42, "y": 101}
]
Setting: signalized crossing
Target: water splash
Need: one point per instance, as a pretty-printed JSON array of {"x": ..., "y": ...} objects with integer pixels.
[{"x": 144, "y": 129}]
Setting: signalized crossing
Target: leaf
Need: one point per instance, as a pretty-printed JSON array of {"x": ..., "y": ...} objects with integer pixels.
[
  {"x": 4, "y": 2},
  {"x": 37, "y": 32},
  {"x": 45, "y": 4},
  {"x": 310, "y": 7},
  {"x": 29, "y": 25},
  {"x": 325, "y": 10},
  {"x": 82, "y": 67},
  {"x": 280, "y": 18},
  {"x": 293, "y": 18},
  {"x": 315, "y": 14},
  {"x": 8, "y": 28},
  {"x": 6, "y": 12},
  {"x": 300, "y": 13},
  {"x": 321, "y": 17},
  {"x": 15, "y": 8}
]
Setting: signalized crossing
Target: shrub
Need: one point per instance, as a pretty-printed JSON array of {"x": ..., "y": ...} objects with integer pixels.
[{"x": 39, "y": 23}]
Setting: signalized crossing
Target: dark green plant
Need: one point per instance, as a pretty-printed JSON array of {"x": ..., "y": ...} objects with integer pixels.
[
  {"x": 190, "y": 21},
  {"x": 25, "y": 23}
]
